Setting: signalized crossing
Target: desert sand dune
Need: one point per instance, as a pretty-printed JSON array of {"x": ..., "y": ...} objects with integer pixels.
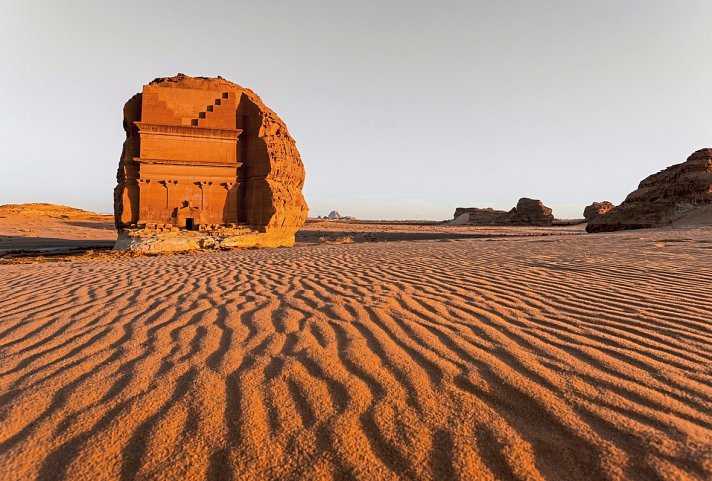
[
  {"x": 558, "y": 358},
  {"x": 49, "y": 227}
]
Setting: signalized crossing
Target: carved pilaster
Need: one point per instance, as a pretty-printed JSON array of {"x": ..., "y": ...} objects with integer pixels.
[
  {"x": 231, "y": 201},
  {"x": 168, "y": 184},
  {"x": 143, "y": 194},
  {"x": 203, "y": 185}
]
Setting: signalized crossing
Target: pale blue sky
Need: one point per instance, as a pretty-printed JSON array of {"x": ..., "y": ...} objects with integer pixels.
[{"x": 399, "y": 109}]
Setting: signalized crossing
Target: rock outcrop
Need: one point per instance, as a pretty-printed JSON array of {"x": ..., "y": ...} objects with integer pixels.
[
  {"x": 205, "y": 154},
  {"x": 527, "y": 212},
  {"x": 485, "y": 216},
  {"x": 680, "y": 191},
  {"x": 596, "y": 210},
  {"x": 531, "y": 212}
]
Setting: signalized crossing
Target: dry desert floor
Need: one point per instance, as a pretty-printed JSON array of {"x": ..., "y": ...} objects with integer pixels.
[
  {"x": 49, "y": 228},
  {"x": 566, "y": 357}
]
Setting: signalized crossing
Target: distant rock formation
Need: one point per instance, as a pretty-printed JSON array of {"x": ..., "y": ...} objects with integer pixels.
[
  {"x": 335, "y": 215},
  {"x": 678, "y": 192},
  {"x": 41, "y": 209},
  {"x": 596, "y": 210},
  {"x": 203, "y": 154},
  {"x": 531, "y": 212},
  {"x": 476, "y": 216},
  {"x": 527, "y": 212}
]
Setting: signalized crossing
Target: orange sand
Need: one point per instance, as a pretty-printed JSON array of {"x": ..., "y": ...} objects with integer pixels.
[
  {"x": 319, "y": 231},
  {"x": 46, "y": 227},
  {"x": 562, "y": 358}
]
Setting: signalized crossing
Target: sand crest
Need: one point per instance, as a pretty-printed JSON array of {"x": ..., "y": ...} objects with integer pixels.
[{"x": 561, "y": 358}]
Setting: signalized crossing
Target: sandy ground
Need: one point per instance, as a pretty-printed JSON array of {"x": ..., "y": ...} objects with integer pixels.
[
  {"x": 581, "y": 357},
  {"x": 317, "y": 231},
  {"x": 47, "y": 228}
]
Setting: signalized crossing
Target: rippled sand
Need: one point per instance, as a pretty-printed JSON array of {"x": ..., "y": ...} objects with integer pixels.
[{"x": 562, "y": 358}]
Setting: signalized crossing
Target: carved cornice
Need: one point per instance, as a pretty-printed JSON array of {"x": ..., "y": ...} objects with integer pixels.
[
  {"x": 188, "y": 131},
  {"x": 195, "y": 163}
]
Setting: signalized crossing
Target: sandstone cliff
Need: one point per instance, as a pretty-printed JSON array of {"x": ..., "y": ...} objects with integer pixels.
[
  {"x": 596, "y": 210},
  {"x": 682, "y": 190}
]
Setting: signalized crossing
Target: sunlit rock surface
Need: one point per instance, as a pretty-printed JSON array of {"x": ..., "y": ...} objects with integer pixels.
[{"x": 204, "y": 154}]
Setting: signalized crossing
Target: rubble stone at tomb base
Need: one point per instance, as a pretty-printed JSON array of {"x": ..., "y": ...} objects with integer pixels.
[
  {"x": 154, "y": 239},
  {"x": 203, "y": 155}
]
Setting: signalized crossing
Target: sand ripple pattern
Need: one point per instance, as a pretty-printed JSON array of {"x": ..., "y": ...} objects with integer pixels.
[{"x": 582, "y": 358}]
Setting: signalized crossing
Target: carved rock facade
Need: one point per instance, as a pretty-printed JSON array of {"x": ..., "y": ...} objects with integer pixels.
[
  {"x": 204, "y": 154},
  {"x": 663, "y": 198}
]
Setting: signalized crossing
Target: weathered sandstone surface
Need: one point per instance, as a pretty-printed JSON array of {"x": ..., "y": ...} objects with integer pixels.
[
  {"x": 670, "y": 196},
  {"x": 596, "y": 210},
  {"x": 205, "y": 154},
  {"x": 159, "y": 239},
  {"x": 527, "y": 212},
  {"x": 531, "y": 212},
  {"x": 477, "y": 216}
]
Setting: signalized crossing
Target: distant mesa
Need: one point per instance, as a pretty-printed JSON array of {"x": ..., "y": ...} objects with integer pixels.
[
  {"x": 678, "y": 195},
  {"x": 48, "y": 210},
  {"x": 205, "y": 155},
  {"x": 597, "y": 209},
  {"x": 334, "y": 215},
  {"x": 527, "y": 212}
]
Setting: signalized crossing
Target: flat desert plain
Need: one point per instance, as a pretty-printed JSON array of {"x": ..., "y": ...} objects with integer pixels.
[
  {"x": 565, "y": 357},
  {"x": 48, "y": 228}
]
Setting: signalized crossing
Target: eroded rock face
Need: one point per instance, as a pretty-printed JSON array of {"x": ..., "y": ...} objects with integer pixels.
[
  {"x": 486, "y": 216},
  {"x": 206, "y": 152},
  {"x": 596, "y": 210},
  {"x": 531, "y": 212},
  {"x": 663, "y": 198},
  {"x": 527, "y": 212}
]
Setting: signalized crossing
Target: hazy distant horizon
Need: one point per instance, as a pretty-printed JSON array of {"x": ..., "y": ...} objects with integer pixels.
[{"x": 400, "y": 110}]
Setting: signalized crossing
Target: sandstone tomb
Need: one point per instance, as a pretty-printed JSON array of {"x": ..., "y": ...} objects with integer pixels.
[{"x": 205, "y": 157}]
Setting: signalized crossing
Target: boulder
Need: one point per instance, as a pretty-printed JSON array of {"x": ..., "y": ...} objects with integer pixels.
[
  {"x": 334, "y": 215},
  {"x": 527, "y": 212},
  {"x": 203, "y": 152},
  {"x": 668, "y": 197},
  {"x": 596, "y": 210}
]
